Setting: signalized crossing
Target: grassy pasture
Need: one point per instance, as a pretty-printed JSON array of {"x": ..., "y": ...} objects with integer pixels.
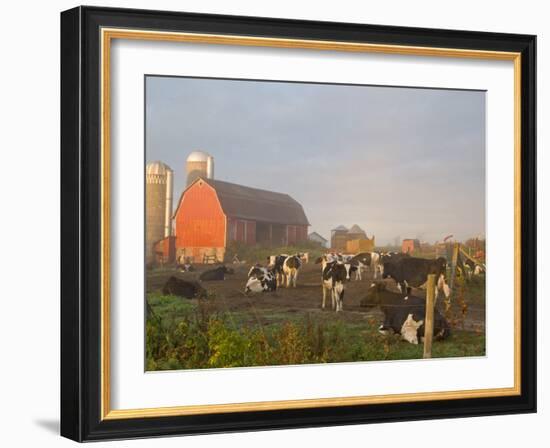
[
  {"x": 230, "y": 329},
  {"x": 186, "y": 334}
]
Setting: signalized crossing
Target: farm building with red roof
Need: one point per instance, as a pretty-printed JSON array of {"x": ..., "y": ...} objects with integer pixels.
[{"x": 212, "y": 213}]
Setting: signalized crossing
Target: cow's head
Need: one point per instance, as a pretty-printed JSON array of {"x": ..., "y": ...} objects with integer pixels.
[
  {"x": 256, "y": 271},
  {"x": 350, "y": 268}
]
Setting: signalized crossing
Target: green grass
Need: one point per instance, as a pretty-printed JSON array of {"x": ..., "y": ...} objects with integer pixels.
[{"x": 182, "y": 334}]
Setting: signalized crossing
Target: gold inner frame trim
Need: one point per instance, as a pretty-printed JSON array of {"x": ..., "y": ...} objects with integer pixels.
[{"x": 107, "y": 35}]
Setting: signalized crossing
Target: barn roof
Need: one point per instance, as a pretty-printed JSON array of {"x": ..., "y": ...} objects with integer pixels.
[
  {"x": 318, "y": 236},
  {"x": 239, "y": 201},
  {"x": 341, "y": 227},
  {"x": 356, "y": 229}
]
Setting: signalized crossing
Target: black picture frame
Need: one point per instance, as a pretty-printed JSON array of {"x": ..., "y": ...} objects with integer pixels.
[{"x": 81, "y": 224}]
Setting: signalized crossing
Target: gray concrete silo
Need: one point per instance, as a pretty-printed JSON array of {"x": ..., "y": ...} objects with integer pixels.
[
  {"x": 158, "y": 205},
  {"x": 199, "y": 164}
]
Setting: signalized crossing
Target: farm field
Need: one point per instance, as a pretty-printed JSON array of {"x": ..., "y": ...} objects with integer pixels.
[{"x": 231, "y": 329}]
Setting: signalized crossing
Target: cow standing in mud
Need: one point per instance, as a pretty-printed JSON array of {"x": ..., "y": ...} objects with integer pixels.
[
  {"x": 275, "y": 263},
  {"x": 291, "y": 267},
  {"x": 411, "y": 271},
  {"x": 333, "y": 276}
]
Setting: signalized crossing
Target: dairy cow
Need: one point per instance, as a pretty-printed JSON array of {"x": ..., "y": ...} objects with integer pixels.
[
  {"x": 403, "y": 313},
  {"x": 291, "y": 267},
  {"x": 411, "y": 271},
  {"x": 216, "y": 274},
  {"x": 260, "y": 279},
  {"x": 275, "y": 263},
  {"x": 333, "y": 277},
  {"x": 183, "y": 288}
]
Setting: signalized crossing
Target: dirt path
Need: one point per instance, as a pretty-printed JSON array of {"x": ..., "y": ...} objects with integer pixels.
[{"x": 305, "y": 299}]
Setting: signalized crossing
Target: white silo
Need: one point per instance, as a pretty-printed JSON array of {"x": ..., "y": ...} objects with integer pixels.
[
  {"x": 199, "y": 164},
  {"x": 158, "y": 205}
]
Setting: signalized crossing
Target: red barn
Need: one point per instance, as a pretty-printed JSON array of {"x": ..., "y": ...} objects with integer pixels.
[{"x": 212, "y": 213}]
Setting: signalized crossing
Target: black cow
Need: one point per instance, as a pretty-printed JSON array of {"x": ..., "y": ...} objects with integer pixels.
[
  {"x": 260, "y": 279},
  {"x": 183, "y": 288},
  {"x": 411, "y": 271},
  {"x": 392, "y": 256},
  {"x": 216, "y": 274},
  {"x": 404, "y": 314}
]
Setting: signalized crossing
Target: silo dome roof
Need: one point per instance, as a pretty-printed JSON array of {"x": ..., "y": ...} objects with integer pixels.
[
  {"x": 198, "y": 156},
  {"x": 157, "y": 168}
]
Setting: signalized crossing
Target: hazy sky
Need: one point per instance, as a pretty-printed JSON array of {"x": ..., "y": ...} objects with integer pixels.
[{"x": 397, "y": 161}]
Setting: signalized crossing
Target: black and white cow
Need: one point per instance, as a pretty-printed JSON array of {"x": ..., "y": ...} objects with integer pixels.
[
  {"x": 333, "y": 277},
  {"x": 347, "y": 260},
  {"x": 403, "y": 313},
  {"x": 363, "y": 260},
  {"x": 411, "y": 271},
  {"x": 216, "y": 274},
  {"x": 275, "y": 263},
  {"x": 260, "y": 279},
  {"x": 473, "y": 268},
  {"x": 291, "y": 267},
  {"x": 183, "y": 288},
  {"x": 371, "y": 260}
]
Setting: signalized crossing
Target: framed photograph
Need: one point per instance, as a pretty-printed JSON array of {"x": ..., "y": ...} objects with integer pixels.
[{"x": 273, "y": 223}]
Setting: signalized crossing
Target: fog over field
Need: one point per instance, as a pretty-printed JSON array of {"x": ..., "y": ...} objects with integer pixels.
[{"x": 405, "y": 162}]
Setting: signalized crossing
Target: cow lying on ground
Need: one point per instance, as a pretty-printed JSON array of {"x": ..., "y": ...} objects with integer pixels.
[
  {"x": 183, "y": 288},
  {"x": 183, "y": 264},
  {"x": 333, "y": 276},
  {"x": 260, "y": 279},
  {"x": 411, "y": 271},
  {"x": 218, "y": 273},
  {"x": 403, "y": 313},
  {"x": 291, "y": 267}
]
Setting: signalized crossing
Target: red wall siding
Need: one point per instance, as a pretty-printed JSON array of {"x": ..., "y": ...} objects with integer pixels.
[
  {"x": 200, "y": 221},
  {"x": 251, "y": 233},
  {"x": 291, "y": 235},
  {"x": 301, "y": 234},
  {"x": 241, "y": 230}
]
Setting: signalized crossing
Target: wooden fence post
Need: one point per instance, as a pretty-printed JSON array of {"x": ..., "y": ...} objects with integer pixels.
[
  {"x": 429, "y": 319},
  {"x": 454, "y": 261}
]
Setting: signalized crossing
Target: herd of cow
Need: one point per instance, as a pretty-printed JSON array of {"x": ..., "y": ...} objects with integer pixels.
[
  {"x": 337, "y": 269},
  {"x": 403, "y": 312}
]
